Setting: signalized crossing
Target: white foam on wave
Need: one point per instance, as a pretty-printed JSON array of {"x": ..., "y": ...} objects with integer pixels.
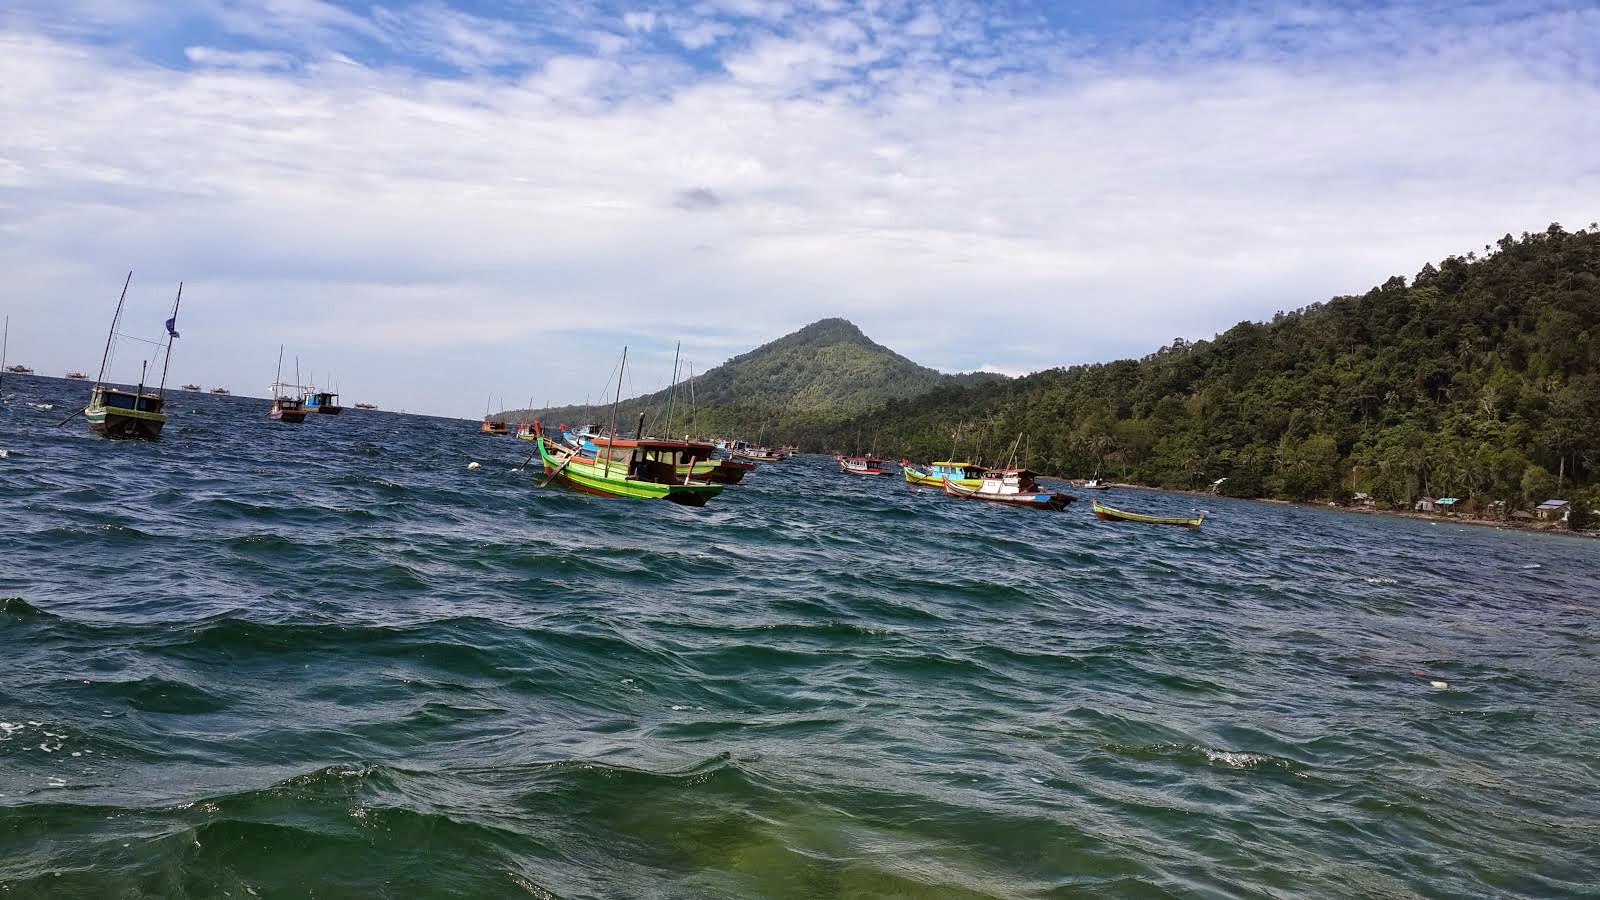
[
  {"x": 1235, "y": 759},
  {"x": 1531, "y": 566},
  {"x": 1381, "y": 580}
]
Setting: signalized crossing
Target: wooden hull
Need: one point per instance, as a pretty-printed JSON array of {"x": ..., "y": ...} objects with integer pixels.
[
  {"x": 329, "y": 410},
  {"x": 587, "y": 476},
  {"x": 717, "y": 471},
  {"x": 1108, "y": 514},
  {"x": 125, "y": 423},
  {"x": 495, "y": 428},
  {"x": 290, "y": 414},
  {"x": 1041, "y": 500}
]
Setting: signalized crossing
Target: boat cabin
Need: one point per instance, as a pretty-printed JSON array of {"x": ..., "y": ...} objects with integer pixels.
[
  {"x": 650, "y": 460},
  {"x": 112, "y": 398},
  {"x": 1009, "y": 481},
  {"x": 955, "y": 470}
]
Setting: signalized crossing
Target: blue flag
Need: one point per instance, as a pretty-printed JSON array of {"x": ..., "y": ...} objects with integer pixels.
[{"x": 172, "y": 326}]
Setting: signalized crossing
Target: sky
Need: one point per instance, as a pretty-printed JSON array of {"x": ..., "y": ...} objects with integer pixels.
[{"x": 436, "y": 206}]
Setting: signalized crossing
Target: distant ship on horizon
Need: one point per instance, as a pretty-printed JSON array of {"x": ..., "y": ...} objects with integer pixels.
[{"x": 220, "y": 390}]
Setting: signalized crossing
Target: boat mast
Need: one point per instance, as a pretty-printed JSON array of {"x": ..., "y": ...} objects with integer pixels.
[
  {"x": 673, "y": 391},
  {"x": 694, "y": 411},
  {"x": 297, "y": 388},
  {"x": 5, "y": 339},
  {"x": 106, "y": 357},
  {"x": 162, "y": 390},
  {"x": 611, "y": 446},
  {"x": 277, "y": 380}
]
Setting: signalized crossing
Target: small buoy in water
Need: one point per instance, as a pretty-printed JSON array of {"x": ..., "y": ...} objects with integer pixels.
[
  {"x": 4, "y": 453},
  {"x": 1441, "y": 685},
  {"x": 472, "y": 465}
]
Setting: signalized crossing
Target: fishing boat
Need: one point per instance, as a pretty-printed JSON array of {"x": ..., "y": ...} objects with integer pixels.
[
  {"x": 700, "y": 462},
  {"x": 220, "y": 390},
  {"x": 1016, "y": 487},
  {"x": 963, "y": 474},
  {"x": 1109, "y": 514},
  {"x": 286, "y": 404},
  {"x": 119, "y": 413},
  {"x": 366, "y": 406},
  {"x": 187, "y": 387},
  {"x": 1095, "y": 484},
  {"x": 492, "y": 426},
  {"x": 19, "y": 369},
  {"x": 743, "y": 450},
  {"x": 635, "y": 468},
  {"x": 77, "y": 376},
  {"x": 324, "y": 402},
  {"x": 862, "y": 465}
]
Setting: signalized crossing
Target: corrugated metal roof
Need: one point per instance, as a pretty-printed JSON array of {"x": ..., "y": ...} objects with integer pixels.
[{"x": 1552, "y": 504}]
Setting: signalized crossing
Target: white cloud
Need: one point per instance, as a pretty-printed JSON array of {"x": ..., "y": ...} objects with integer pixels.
[
  {"x": 381, "y": 219},
  {"x": 237, "y": 59}
]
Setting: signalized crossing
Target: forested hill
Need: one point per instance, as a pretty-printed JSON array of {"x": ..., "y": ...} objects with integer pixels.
[
  {"x": 826, "y": 371},
  {"x": 1479, "y": 379}
]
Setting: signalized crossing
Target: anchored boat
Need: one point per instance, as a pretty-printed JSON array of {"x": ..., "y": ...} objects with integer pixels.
[
  {"x": 639, "y": 468},
  {"x": 286, "y": 405},
  {"x": 743, "y": 450},
  {"x": 701, "y": 463},
  {"x": 115, "y": 412},
  {"x": 1016, "y": 487},
  {"x": 1101, "y": 511},
  {"x": 964, "y": 474},
  {"x": 862, "y": 465},
  {"x": 324, "y": 402}
]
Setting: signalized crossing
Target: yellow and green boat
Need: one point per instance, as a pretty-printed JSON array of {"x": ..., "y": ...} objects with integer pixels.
[
  {"x": 640, "y": 469},
  {"x": 1110, "y": 514},
  {"x": 138, "y": 413},
  {"x": 962, "y": 474}
]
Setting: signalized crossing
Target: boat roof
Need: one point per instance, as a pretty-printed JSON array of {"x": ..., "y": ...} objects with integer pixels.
[
  {"x": 650, "y": 443},
  {"x": 1002, "y": 472},
  {"x": 954, "y": 463}
]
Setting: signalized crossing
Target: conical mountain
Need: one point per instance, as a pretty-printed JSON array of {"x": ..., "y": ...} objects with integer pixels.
[{"x": 828, "y": 369}]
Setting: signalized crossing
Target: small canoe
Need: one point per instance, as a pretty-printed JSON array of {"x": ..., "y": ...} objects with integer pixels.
[{"x": 1101, "y": 511}]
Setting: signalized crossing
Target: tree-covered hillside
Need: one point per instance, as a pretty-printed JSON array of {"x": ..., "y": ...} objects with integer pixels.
[
  {"x": 825, "y": 372},
  {"x": 1479, "y": 379}
]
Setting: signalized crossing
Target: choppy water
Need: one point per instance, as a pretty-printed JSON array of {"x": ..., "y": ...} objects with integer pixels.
[{"x": 331, "y": 660}]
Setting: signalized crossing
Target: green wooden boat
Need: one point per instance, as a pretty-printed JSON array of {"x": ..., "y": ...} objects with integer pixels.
[
  {"x": 963, "y": 474},
  {"x": 641, "y": 469},
  {"x": 1101, "y": 511}
]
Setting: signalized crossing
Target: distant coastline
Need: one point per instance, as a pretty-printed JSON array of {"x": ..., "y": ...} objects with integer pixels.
[{"x": 1529, "y": 525}]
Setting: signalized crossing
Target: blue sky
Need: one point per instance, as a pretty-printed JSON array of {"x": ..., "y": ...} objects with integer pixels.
[{"x": 435, "y": 202}]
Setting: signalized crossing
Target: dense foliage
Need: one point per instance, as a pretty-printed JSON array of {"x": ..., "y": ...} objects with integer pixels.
[{"x": 1480, "y": 380}]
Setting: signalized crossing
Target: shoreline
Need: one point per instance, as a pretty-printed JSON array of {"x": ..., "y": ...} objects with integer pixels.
[{"x": 1532, "y": 526}]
